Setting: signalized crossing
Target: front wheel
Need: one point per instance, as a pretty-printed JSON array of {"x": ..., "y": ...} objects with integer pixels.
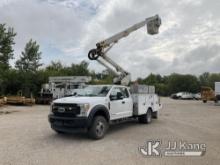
[
  {"x": 98, "y": 128},
  {"x": 59, "y": 132}
]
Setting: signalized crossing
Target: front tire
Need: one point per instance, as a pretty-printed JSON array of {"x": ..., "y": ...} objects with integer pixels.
[
  {"x": 98, "y": 128},
  {"x": 59, "y": 132}
]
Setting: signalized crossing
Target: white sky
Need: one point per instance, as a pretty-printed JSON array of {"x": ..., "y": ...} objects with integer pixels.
[{"x": 188, "y": 42}]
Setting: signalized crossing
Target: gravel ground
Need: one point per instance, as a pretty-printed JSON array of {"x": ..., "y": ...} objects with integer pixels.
[{"x": 26, "y": 137}]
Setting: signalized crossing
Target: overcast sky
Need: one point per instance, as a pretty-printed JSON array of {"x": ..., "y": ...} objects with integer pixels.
[{"x": 188, "y": 42}]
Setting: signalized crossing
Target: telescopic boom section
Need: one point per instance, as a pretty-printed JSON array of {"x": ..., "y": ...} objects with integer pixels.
[{"x": 100, "y": 52}]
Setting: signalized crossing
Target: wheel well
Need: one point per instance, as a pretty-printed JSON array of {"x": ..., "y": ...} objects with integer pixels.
[
  {"x": 102, "y": 113},
  {"x": 149, "y": 109}
]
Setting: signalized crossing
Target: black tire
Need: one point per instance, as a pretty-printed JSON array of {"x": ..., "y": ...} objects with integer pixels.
[
  {"x": 146, "y": 118},
  {"x": 204, "y": 101},
  {"x": 59, "y": 132},
  {"x": 155, "y": 115},
  {"x": 98, "y": 128}
]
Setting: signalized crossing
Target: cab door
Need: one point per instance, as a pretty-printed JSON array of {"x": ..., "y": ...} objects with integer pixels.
[{"x": 121, "y": 104}]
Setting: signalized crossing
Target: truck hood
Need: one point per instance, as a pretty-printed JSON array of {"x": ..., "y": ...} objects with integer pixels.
[{"x": 79, "y": 100}]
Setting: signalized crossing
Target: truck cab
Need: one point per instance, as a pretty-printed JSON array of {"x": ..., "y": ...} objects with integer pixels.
[{"x": 95, "y": 107}]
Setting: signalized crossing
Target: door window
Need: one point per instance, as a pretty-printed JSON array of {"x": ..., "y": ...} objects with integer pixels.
[{"x": 114, "y": 93}]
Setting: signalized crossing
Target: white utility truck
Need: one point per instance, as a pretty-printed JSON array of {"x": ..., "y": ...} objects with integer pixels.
[
  {"x": 95, "y": 107},
  {"x": 62, "y": 86}
]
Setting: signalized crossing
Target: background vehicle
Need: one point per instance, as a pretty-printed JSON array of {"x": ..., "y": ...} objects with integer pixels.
[
  {"x": 187, "y": 96},
  {"x": 3, "y": 100},
  {"x": 197, "y": 96},
  {"x": 207, "y": 94},
  {"x": 173, "y": 96},
  {"x": 61, "y": 86},
  {"x": 45, "y": 96},
  {"x": 179, "y": 95}
]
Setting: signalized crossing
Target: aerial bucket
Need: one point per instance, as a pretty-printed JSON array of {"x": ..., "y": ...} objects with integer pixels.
[{"x": 153, "y": 25}]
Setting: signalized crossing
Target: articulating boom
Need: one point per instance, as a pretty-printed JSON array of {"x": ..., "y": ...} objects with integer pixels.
[{"x": 100, "y": 53}]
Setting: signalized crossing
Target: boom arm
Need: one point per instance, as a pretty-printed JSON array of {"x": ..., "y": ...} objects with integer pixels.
[{"x": 122, "y": 76}]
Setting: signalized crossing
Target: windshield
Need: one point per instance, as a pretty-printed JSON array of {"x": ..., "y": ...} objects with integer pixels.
[{"x": 96, "y": 91}]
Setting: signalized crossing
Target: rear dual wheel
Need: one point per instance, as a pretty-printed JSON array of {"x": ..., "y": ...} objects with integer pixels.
[{"x": 146, "y": 118}]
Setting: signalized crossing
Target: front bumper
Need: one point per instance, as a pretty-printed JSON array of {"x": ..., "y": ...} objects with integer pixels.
[{"x": 68, "y": 124}]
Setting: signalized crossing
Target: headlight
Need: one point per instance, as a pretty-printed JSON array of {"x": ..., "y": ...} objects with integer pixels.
[{"x": 84, "y": 109}]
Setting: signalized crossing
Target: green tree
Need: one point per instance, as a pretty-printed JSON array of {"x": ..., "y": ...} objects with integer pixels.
[
  {"x": 162, "y": 89},
  {"x": 6, "y": 43},
  {"x": 30, "y": 58},
  {"x": 80, "y": 69},
  {"x": 204, "y": 79},
  {"x": 6, "y": 53},
  {"x": 27, "y": 66},
  {"x": 214, "y": 77},
  {"x": 178, "y": 82},
  {"x": 153, "y": 79},
  {"x": 55, "y": 66},
  {"x": 209, "y": 79},
  {"x": 13, "y": 82}
]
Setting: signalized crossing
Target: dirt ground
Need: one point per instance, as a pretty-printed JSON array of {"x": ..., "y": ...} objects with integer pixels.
[{"x": 26, "y": 137}]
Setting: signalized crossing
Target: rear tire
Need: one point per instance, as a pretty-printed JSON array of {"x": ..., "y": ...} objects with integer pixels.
[
  {"x": 204, "y": 101},
  {"x": 146, "y": 118},
  {"x": 155, "y": 115},
  {"x": 98, "y": 128}
]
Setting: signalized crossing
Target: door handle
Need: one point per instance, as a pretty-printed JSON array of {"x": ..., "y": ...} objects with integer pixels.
[{"x": 123, "y": 102}]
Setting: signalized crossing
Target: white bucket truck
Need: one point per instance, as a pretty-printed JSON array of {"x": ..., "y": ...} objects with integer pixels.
[
  {"x": 95, "y": 107},
  {"x": 98, "y": 106}
]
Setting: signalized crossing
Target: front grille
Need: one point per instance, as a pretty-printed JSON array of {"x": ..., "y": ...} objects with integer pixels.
[{"x": 65, "y": 110}]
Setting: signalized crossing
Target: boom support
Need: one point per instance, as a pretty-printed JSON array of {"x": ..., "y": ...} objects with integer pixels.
[{"x": 100, "y": 52}]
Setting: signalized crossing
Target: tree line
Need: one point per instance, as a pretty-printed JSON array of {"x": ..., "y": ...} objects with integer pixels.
[
  {"x": 28, "y": 75},
  {"x": 173, "y": 83}
]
